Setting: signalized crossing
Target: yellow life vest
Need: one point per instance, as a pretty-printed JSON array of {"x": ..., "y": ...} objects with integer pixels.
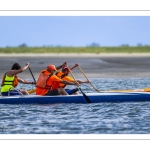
[{"x": 8, "y": 83}]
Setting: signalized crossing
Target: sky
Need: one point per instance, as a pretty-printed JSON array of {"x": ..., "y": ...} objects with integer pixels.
[{"x": 76, "y": 31}]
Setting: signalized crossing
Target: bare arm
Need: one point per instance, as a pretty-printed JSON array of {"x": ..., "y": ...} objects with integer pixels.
[
  {"x": 76, "y": 65},
  {"x": 61, "y": 66},
  {"x": 80, "y": 82},
  {"x": 14, "y": 72},
  {"x": 65, "y": 64},
  {"x": 25, "y": 82},
  {"x": 70, "y": 83}
]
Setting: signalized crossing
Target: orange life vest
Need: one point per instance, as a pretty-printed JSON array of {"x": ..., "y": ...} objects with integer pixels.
[
  {"x": 61, "y": 75},
  {"x": 46, "y": 82},
  {"x": 42, "y": 80}
]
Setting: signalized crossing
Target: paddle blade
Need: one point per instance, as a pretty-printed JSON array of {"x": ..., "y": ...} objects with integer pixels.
[{"x": 85, "y": 96}]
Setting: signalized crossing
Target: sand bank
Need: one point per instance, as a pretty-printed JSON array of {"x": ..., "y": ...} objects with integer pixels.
[{"x": 94, "y": 65}]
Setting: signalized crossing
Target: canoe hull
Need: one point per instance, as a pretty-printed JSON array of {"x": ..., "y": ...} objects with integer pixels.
[{"x": 94, "y": 97}]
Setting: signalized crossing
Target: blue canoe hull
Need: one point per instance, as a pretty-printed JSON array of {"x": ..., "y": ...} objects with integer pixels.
[{"x": 94, "y": 97}]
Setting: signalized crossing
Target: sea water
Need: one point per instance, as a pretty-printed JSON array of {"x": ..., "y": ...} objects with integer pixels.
[{"x": 96, "y": 118}]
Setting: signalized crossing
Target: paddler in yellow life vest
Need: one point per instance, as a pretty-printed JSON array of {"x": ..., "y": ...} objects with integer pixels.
[
  {"x": 10, "y": 80},
  {"x": 64, "y": 76}
]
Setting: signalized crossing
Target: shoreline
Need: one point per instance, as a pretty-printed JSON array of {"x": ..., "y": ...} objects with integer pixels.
[{"x": 75, "y": 55}]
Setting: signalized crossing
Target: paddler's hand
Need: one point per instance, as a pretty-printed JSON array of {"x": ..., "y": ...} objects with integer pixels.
[
  {"x": 25, "y": 67},
  {"x": 64, "y": 64},
  {"x": 76, "y": 65},
  {"x": 77, "y": 84},
  {"x": 27, "y": 64},
  {"x": 88, "y": 81}
]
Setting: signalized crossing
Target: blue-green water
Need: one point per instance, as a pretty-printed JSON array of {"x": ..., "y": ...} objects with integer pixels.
[{"x": 99, "y": 118}]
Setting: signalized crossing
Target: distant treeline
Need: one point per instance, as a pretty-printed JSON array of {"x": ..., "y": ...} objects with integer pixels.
[{"x": 121, "y": 49}]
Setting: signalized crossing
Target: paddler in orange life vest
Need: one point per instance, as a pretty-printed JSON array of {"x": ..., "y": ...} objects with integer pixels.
[
  {"x": 64, "y": 75},
  {"x": 45, "y": 83},
  {"x": 10, "y": 81}
]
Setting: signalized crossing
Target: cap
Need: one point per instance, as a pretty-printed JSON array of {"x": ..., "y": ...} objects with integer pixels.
[{"x": 51, "y": 67}]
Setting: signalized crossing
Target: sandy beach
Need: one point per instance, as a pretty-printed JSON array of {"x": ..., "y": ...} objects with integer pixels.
[{"x": 94, "y": 65}]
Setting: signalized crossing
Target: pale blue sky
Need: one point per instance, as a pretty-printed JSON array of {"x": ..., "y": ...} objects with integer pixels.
[{"x": 74, "y": 31}]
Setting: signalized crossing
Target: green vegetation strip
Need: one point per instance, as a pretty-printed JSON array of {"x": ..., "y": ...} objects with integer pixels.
[{"x": 96, "y": 50}]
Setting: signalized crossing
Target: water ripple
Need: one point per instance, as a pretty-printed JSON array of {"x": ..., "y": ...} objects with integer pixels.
[{"x": 99, "y": 118}]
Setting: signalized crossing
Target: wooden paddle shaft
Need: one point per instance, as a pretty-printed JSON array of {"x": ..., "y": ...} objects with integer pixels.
[
  {"x": 31, "y": 91},
  {"x": 88, "y": 79},
  {"x": 72, "y": 74}
]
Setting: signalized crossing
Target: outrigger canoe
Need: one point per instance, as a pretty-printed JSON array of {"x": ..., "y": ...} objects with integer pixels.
[{"x": 94, "y": 98}]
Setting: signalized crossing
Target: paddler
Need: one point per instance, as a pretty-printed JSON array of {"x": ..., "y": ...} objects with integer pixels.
[
  {"x": 64, "y": 74},
  {"x": 47, "y": 83},
  {"x": 10, "y": 81}
]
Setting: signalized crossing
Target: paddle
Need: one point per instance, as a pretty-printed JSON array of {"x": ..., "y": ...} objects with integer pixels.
[
  {"x": 88, "y": 79},
  {"x": 32, "y": 74},
  {"x": 85, "y": 96},
  {"x": 31, "y": 91}
]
